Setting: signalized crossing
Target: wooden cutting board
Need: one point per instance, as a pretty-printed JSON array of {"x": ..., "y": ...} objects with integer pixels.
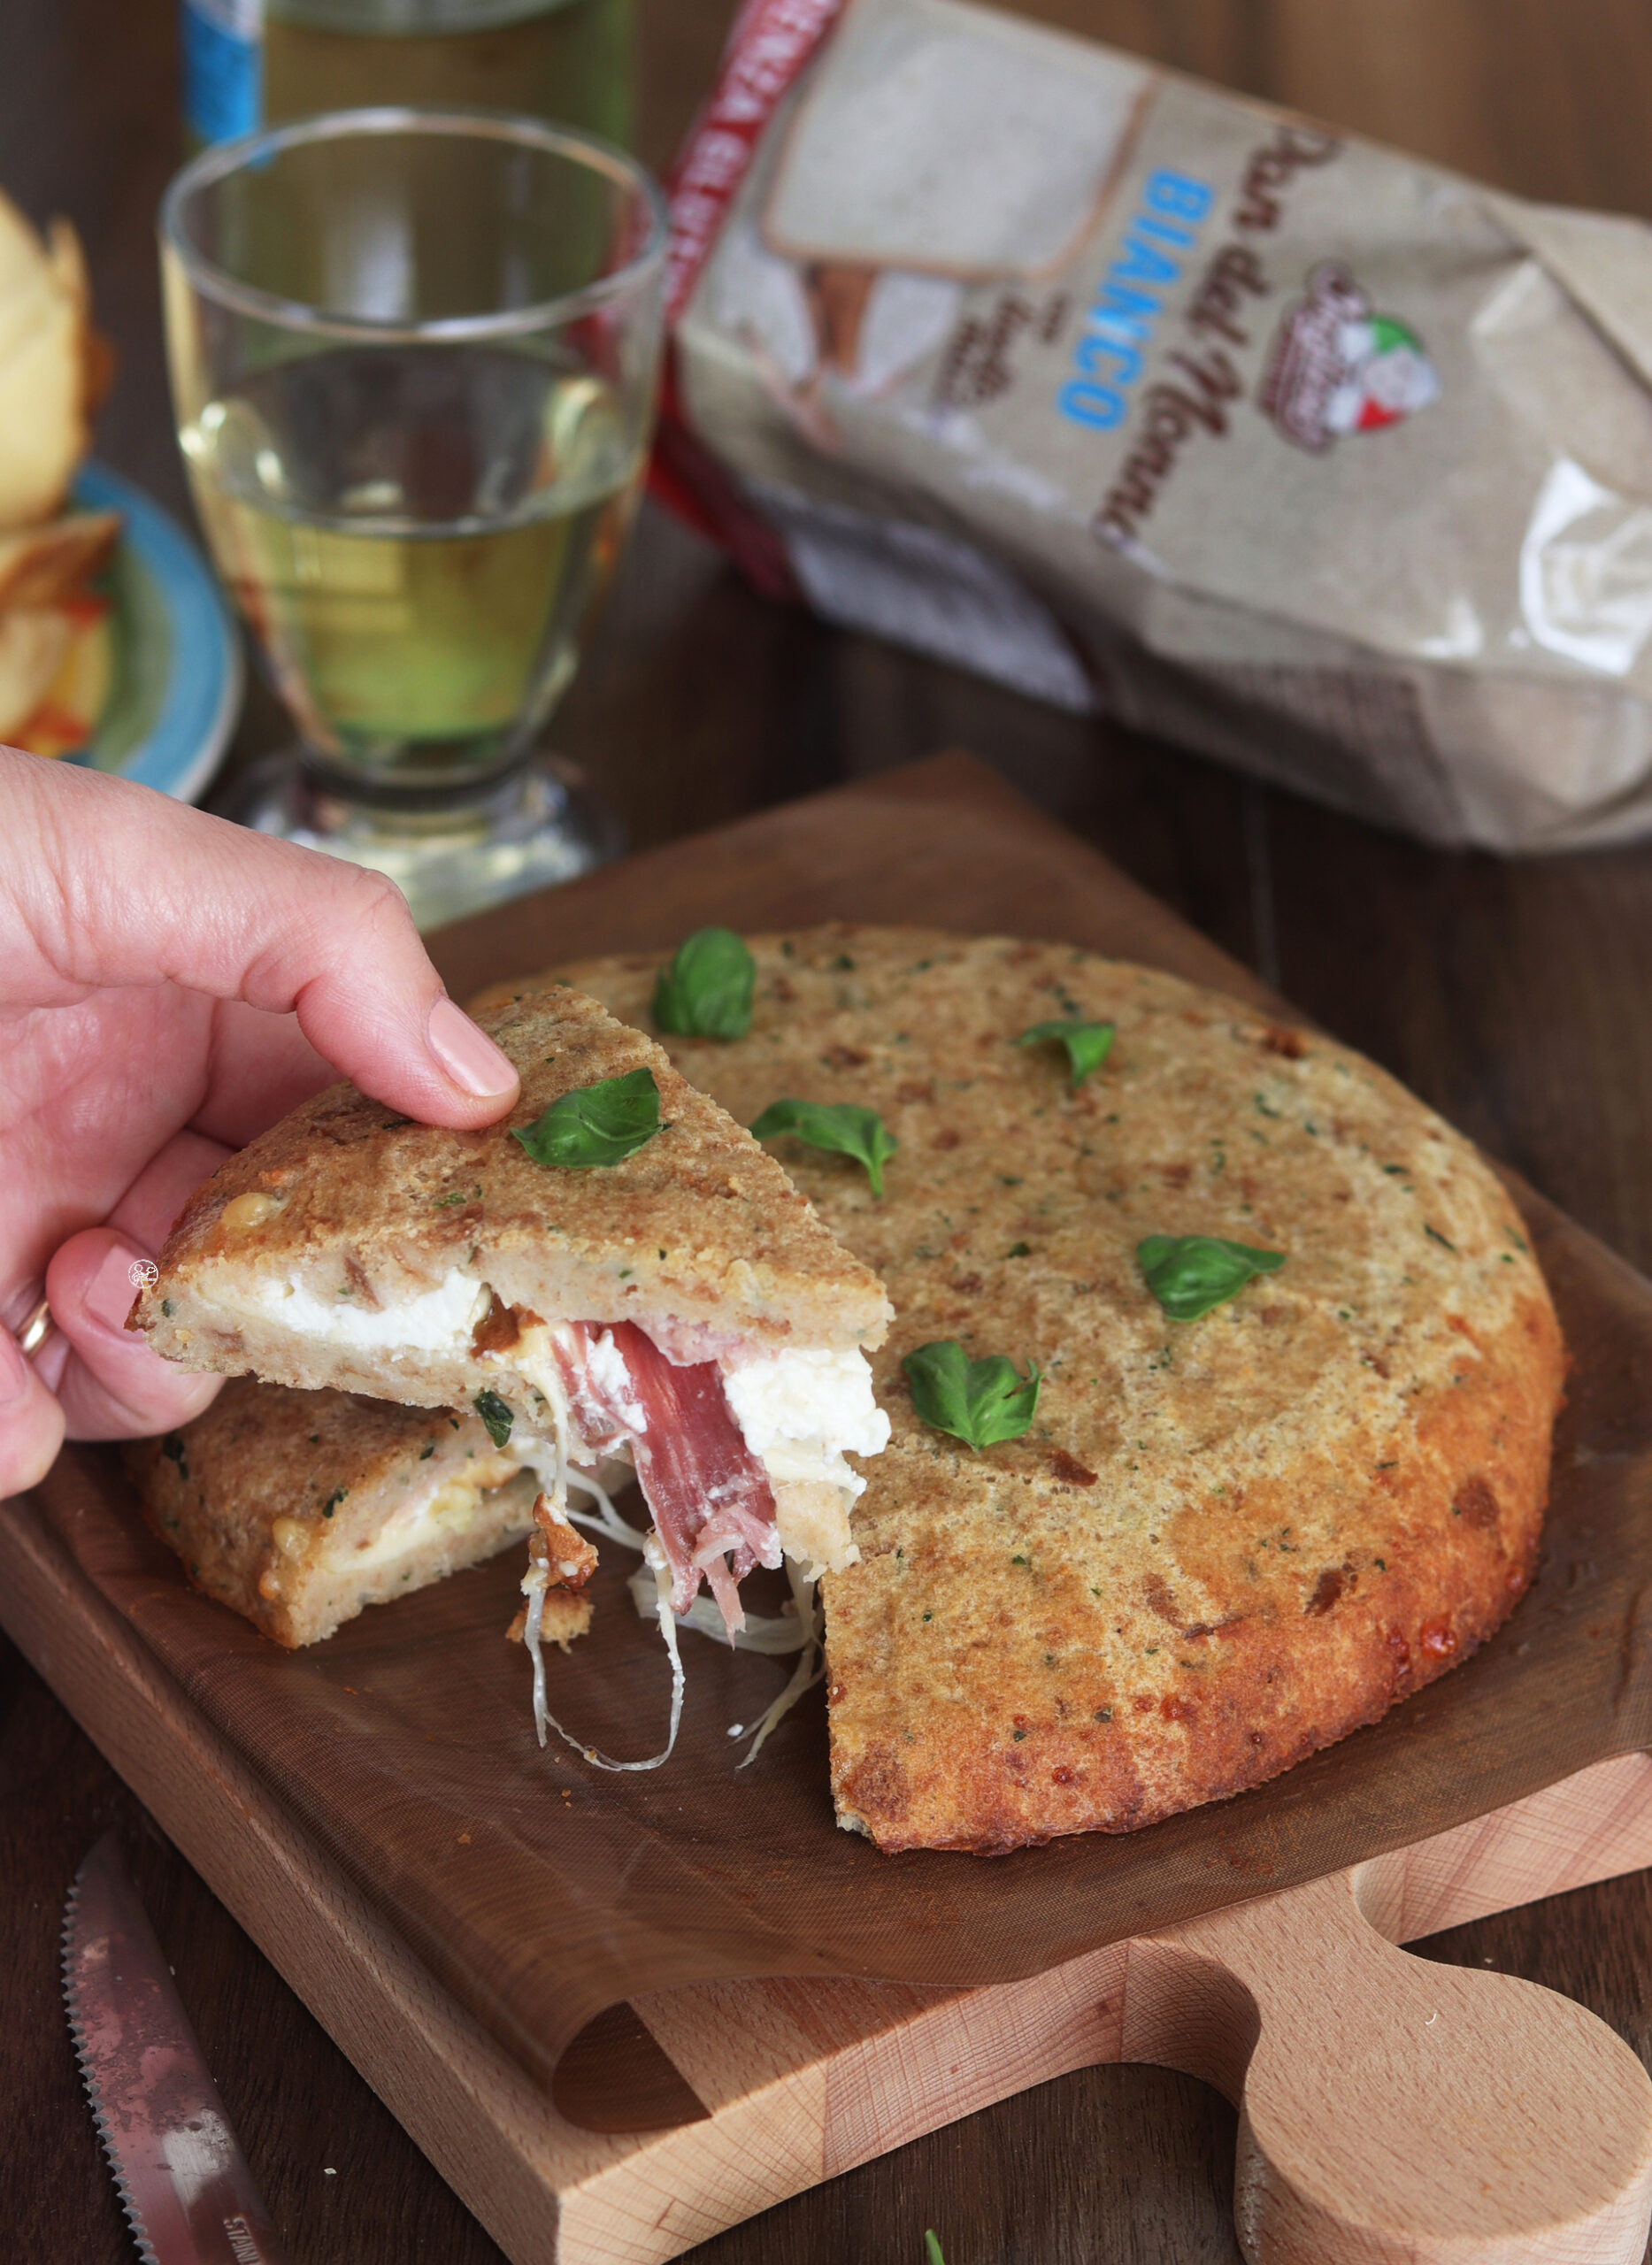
[{"x": 1391, "y": 2108}]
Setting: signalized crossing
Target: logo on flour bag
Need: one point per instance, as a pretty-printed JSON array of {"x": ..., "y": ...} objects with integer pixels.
[{"x": 1338, "y": 367}]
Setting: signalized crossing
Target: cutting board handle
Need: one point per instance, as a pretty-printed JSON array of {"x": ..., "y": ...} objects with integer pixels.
[{"x": 1394, "y": 2111}]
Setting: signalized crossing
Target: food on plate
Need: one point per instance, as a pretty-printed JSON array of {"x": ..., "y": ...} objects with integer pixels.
[
  {"x": 617, "y": 1271},
  {"x": 53, "y": 710},
  {"x": 1222, "y": 1378},
  {"x": 35, "y": 643},
  {"x": 41, "y": 566},
  {"x": 54, "y": 370},
  {"x": 298, "y": 1509}
]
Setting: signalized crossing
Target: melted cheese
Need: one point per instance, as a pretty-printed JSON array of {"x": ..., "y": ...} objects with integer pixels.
[{"x": 451, "y": 1507}]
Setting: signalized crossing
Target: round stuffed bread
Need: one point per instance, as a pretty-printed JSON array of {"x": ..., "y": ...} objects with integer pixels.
[{"x": 1222, "y": 1542}]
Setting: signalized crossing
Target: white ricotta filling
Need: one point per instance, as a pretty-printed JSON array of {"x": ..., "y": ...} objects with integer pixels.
[
  {"x": 435, "y": 1321},
  {"x": 605, "y": 1365},
  {"x": 803, "y": 1410}
]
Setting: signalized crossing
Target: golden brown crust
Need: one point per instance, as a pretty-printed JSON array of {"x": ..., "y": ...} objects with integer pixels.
[
  {"x": 563, "y": 1554},
  {"x": 1224, "y": 1543},
  {"x": 565, "y": 1615},
  {"x": 698, "y": 1229},
  {"x": 298, "y": 1509}
]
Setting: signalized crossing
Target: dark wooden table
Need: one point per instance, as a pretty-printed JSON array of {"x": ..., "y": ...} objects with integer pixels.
[{"x": 1517, "y": 998}]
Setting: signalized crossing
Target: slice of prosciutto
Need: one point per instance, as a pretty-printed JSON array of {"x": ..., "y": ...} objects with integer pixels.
[{"x": 712, "y": 1506}]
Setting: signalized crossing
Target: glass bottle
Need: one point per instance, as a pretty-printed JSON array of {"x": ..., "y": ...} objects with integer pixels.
[{"x": 251, "y": 63}]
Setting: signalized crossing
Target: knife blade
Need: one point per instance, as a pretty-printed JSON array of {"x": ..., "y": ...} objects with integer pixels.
[{"x": 183, "y": 2179}]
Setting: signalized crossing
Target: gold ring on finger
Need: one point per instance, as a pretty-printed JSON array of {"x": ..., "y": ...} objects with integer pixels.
[{"x": 37, "y": 1329}]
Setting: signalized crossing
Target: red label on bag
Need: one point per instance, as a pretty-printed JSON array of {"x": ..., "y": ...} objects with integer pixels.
[{"x": 770, "y": 42}]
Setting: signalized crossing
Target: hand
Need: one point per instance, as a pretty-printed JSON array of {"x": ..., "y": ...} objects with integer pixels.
[{"x": 169, "y": 985}]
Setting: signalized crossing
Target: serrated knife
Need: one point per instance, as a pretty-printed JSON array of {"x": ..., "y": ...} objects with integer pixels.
[{"x": 183, "y": 2179}]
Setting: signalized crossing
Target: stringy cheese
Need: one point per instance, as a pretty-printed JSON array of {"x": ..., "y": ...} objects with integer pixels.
[
  {"x": 800, "y": 1628},
  {"x": 452, "y": 1505},
  {"x": 535, "y": 1585},
  {"x": 800, "y": 1412}
]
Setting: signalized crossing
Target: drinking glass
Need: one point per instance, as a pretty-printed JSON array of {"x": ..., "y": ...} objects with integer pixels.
[{"x": 414, "y": 356}]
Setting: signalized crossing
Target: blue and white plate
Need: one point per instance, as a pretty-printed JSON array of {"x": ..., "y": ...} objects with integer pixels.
[{"x": 175, "y": 675}]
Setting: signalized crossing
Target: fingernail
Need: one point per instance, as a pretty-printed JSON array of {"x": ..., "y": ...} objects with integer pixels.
[
  {"x": 467, "y": 1054},
  {"x": 109, "y": 1292},
  {"x": 13, "y": 1369}
]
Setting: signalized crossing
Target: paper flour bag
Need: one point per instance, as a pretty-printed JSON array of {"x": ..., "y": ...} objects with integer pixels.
[{"x": 1138, "y": 395}]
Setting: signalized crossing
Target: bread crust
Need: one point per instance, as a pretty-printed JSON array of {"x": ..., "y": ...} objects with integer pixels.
[
  {"x": 1224, "y": 1543},
  {"x": 699, "y": 1231}
]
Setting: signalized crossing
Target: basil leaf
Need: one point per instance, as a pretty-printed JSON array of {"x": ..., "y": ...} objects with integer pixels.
[
  {"x": 706, "y": 991},
  {"x": 495, "y": 1414},
  {"x": 601, "y": 1124},
  {"x": 1189, "y": 1274},
  {"x": 838, "y": 1125},
  {"x": 1086, "y": 1044},
  {"x": 981, "y": 1402}
]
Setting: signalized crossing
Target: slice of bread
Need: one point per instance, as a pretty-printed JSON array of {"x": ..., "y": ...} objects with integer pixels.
[
  {"x": 299, "y": 1509},
  {"x": 52, "y": 366},
  {"x": 348, "y": 1247}
]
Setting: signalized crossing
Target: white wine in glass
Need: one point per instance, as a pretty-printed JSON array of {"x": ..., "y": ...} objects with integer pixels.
[
  {"x": 417, "y": 535},
  {"x": 416, "y": 506}
]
